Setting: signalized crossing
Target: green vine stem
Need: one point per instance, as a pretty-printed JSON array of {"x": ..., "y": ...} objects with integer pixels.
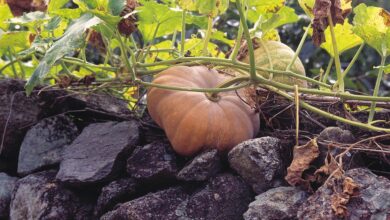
[
  {"x": 12, "y": 63},
  {"x": 189, "y": 89},
  {"x": 355, "y": 57},
  {"x": 237, "y": 44},
  {"x": 326, "y": 114},
  {"x": 76, "y": 61},
  {"x": 327, "y": 71},
  {"x": 376, "y": 89},
  {"x": 226, "y": 84},
  {"x": 248, "y": 39},
  {"x": 183, "y": 32},
  {"x": 124, "y": 57},
  {"x": 336, "y": 56},
  {"x": 299, "y": 48},
  {"x": 209, "y": 31}
]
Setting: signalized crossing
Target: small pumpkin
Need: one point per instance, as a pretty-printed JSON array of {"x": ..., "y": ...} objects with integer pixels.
[
  {"x": 191, "y": 120},
  {"x": 281, "y": 56}
]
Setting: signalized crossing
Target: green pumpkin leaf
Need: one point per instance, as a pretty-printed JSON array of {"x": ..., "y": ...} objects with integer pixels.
[
  {"x": 5, "y": 14},
  {"x": 372, "y": 25},
  {"x": 116, "y": 6},
  {"x": 72, "y": 40},
  {"x": 56, "y": 5},
  {"x": 345, "y": 38},
  {"x": 17, "y": 40},
  {"x": 32, "y": 19},
  {"x": 212, "y": 7},
  {"x": 189, "y": 5},
  {"x": 157, "y": 20},
  {"x": 307, "y": 6}
]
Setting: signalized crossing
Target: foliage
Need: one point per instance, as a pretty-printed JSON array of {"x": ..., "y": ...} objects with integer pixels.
[{"x": 85, "y": 40}]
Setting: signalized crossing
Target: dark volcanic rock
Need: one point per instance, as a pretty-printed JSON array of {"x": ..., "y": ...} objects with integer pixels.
[
  {"x": 38, "y": 196},
  {"x": 225, "y": 197},
  {"x": 7, "y": 185},
  {"x": 17, "y": 113},
  {"x": 43, "y": 143},
  {"x": 259, "y": 162},
  {"x": 202, "y": 167},
  {"x": 278, "y": 203},
  {"x": 153, "y": 206},
  {"x": 371, "y": 202},
  {"x": 98, "y": 154},
  {"x": 117, "y": 191},
  {"x": 153, "y": 162}
]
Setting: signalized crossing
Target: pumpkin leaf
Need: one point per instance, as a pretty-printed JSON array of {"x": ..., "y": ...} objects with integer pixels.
[
  {"x": 156, "y": 20},
  {"x": 32, "y": 19},
  {"x": 212, "y": 8},
  {"x": 345, "y": 38},
  {"x": 56, "y": 5},
  {"x": 18, "y": 40},
  {"x": 5, "y": 14},
  {"x": 72, "y": 39},
  {"x": 189, "y": 5},
  {"x": 371, "y": 24},
  {"x": 116, "y": 6}
]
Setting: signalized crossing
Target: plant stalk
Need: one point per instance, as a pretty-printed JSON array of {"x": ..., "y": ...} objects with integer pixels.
[
  {"x": 208, "y": 35},
  {"x": 376, "y": 89},
  {"x": 183, "y": 32},
  {"x": 340, "y": 79},
  {"x": 299, "y": 48}
]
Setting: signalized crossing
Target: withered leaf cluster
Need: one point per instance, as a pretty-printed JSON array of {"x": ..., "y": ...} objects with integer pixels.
[
  {"x": 128, "y": 24},
  {"x": 322, "y": 10}
]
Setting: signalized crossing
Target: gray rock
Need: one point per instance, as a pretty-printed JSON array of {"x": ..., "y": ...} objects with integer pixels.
[
  {"x": 7, "y": 185},
  {"x": 117, "y": 191},
  {"x": 259, "y": 163},
  {"x": 224, "y": 197},
  {"x": 43, "y": 143},
  {"x": 202, "y": 167},
  {"x": 17, "y": 113},
  {"x": 155, "y": 162},
  {"x": 278, "y": 203},
  {"x": 38, "y": 197},
  {"x": 336, "y": 134},
  {"x": 371, "y": 202},
  {"x": 153, "y": 206},
  {"x": 98, "y": 154}
]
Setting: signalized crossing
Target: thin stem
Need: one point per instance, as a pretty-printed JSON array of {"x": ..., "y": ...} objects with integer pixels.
[
  {"x": 328, "y": 68},
  {"x": 150, "y": 43},
  {"x": 76, "y": 61},
  {"x": 228, "y": 83},
  {"x": 183, "y": 32},
  {"x": 376, "y": 89},
  {"x": 174, "y": 39},
  {"x": 125, "y": 59},
  {"x": 237, "y": 45},
  {"x": 355, "y": 57},
  {"x": 248, "y": 39},
  {"x": 13, "y": 63},
  {"x": 208, "y": 35},
  {"x": 134, "y": 42},
  {"x": 336, "y": 56},
  {"x": 298, "y": 51}
]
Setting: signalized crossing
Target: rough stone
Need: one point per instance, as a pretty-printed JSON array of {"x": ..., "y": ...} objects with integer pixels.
[
  {"x": 17, "y": 113},
  {"x": 43, "y": 143},
  {"x": 372, "y": 201},
  {"x": 155, "y": 162},
  {"x": 278, "y": 203},
  {"x": 7, "y": 185},
  {"x": 38, "y": 196},
  {"x": 259, "y": 163},
  {"x": 202, "y": 167},
  {"x": 98, "y": 154},
  {"x": 153, "y": 206},
  {"x": 225, "y": 197},
  {"x": 117, "y": 191}
]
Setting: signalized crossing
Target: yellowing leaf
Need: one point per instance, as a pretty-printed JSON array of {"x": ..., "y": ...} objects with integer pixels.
[
  {"x": 371, "y": 24},
  {"x": 5, "y": 14},
  {"x": 345, "y": 38},
  {"x": 194, "y": 47}
]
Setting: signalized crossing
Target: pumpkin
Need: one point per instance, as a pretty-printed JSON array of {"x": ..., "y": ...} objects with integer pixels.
[
  {"x": 281, "y": 56},
  {"x": 191, "y": 120}
]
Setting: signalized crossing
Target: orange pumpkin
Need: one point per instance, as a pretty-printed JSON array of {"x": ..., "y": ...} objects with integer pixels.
[{"x": 191, "y": 120}]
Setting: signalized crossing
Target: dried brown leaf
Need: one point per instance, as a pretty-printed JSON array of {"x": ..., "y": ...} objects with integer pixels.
[
  {"x": 350, "y": 187},
  {"x": 330, "y": 167},
  {"x": 322, "y": 10},
  {"x": 303, "y": 156},
  {"x": 386, "y": 17},
  {"x": 338, "y": 204}
]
